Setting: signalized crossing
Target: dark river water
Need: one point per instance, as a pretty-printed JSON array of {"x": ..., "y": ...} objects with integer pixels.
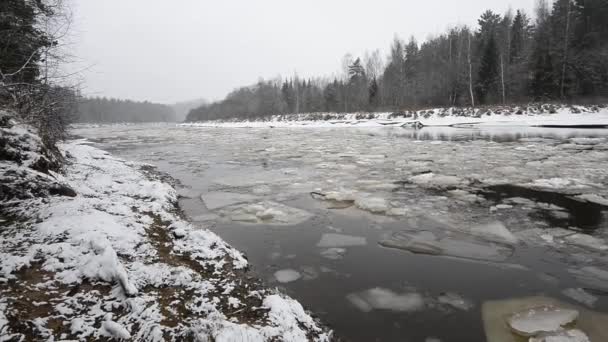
[{"x": 268, "y": 192}]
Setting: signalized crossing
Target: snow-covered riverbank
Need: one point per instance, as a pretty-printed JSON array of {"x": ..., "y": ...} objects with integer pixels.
[
  {"x": 117, "y": 260},
  {"x": 533, "y": 116}
]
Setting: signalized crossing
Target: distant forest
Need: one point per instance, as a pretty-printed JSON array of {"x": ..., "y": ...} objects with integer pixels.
[
  {"x": 561, "y": 54},
  {"x": 103, "y": 110}
]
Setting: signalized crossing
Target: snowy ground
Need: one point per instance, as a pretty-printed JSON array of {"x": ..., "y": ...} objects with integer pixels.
[
  {"x": 532, "y": 116},
  {"x": 119, "y": 261},
  {"x": 395, "y": 232}
]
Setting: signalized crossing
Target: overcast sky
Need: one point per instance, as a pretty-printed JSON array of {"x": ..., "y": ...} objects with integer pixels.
[{"x": 167, "y": 51}]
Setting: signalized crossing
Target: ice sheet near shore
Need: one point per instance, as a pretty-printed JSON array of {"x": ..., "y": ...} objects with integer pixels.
[
  {"x": 118, "y": 261},
  {"x": 545, "y": 115}
]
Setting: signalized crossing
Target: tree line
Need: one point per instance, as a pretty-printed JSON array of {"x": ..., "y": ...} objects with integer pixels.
[
  {"x": 104, "y": 110},
  {"x": 559, "y": 55}
]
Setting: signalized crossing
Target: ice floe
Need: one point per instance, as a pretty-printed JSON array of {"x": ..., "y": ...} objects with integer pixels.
[
  {"x": 214, "y": 200},
  {"x": 454, "y": 244},
  {"x": 287, "y": 275},
  {"x": 385, "y": 299},
  {"x": 341, "y": 240},
  {"x": 494, "y": 231},
  {"x": 540, "y": 317},
  {"x": 572, "y": 335},
  {"x": 436, "y": 180},
  {"x": 581, "y": 296},
  {"x": 543, "y": 319},
  {"x": 455, "y": 300},
  {"x": 375, "y": 205},
  {"x": 333, "y": 253},
  {"x": 266, "y": 212}
]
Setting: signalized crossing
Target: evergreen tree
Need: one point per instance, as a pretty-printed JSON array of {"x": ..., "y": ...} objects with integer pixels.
[
  {"x": 21, "y": 41},
  {"x": 488, "y": 77}
]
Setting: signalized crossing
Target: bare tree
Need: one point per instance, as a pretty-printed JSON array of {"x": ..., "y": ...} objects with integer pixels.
[
  {"x": 470, "y": 70},
  {"x": 373, "y": 63}
]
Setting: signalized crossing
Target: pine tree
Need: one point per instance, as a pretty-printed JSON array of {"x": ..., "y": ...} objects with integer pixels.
[
  {"x": 21, "y": 41},
  {"x": 488, "y": 78}
]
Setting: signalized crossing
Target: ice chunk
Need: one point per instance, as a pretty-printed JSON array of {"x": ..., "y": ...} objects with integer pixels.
[
  {"x": 333, "y": 253},
  {"x": 287, "y": 275},
  {"x": 593, "y": 198},
  {"x": 341, "y": 240},
  {"x": 437, "y": 181},
  {"x": 455, "y": 300},
  {"x": 340, "y": 196},
  {"x": 455, "y": 245},
  {"x": 581, "y": 296},
  {"x": 384, "y": 299},
  {"x": 309, "y": 272},
  {"x": 375, "y": 205},
  {"x": 266, "y": 212},
  {"x": 543, "y": 319},
  {"x": 215, "y": 199},
  {"x": 558, "y": 183},
  {"x": 495, "y": 231},
  {"x": 591, "y": 275},
  {"x": 573, "y": 335},
  {"x": 586, "y": 241}
]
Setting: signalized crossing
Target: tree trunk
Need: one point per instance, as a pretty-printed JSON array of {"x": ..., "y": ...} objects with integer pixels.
[
  {"x": 471, "y": 74},
  {"x": 502, "y": 79}
]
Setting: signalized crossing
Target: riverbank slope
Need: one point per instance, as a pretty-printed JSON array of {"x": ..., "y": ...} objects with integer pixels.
[{"x": 100, "y": 250}]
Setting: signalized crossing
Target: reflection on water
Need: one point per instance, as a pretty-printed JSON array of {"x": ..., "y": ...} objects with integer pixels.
[{"x": 498, "y": 134}]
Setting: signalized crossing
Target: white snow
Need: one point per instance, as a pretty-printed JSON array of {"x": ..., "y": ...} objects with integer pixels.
[
  {"x": 112, "y": 329},
  {"x": 544, "y": 319},
  {"x": 287, "y": 314},
  {"x": 104, "y": 265},
  {"x": 428, "y": 117},
  {"x": 287, "y": 275},
  {"x": 341, "y": 240}
]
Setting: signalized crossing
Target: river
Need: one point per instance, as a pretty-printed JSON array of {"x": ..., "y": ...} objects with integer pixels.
[{"x": 393, "y": 234}]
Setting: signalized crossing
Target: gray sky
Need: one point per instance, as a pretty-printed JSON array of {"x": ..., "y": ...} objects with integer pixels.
[{"x": 167, "y": 51}]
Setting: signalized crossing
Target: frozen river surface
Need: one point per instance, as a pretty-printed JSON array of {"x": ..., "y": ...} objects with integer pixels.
[{"x": 392, "y": 234}]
